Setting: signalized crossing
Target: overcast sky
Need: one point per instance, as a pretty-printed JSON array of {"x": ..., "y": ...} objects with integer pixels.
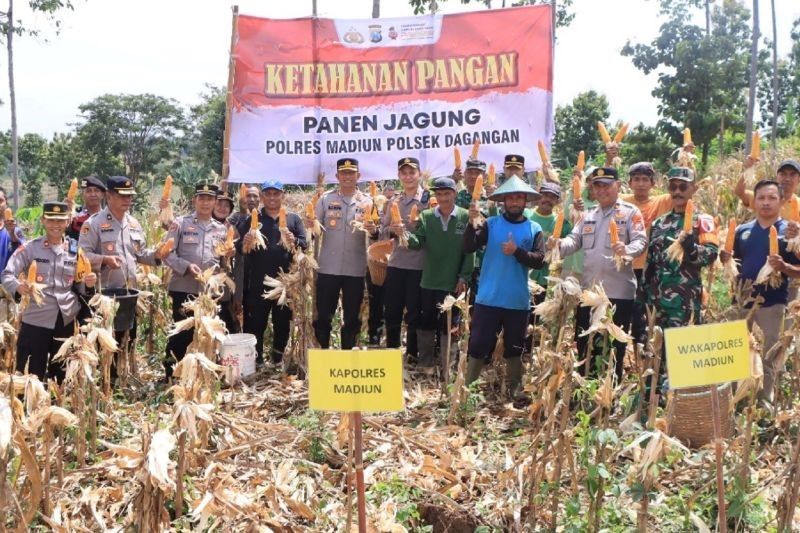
[{"x": 173, "y": 47}]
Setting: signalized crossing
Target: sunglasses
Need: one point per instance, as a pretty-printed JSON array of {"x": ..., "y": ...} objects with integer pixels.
[{"x": 683, "y": 187}]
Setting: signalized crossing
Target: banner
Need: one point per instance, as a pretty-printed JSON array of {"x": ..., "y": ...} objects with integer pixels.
[{"x": 307, "y": 92}]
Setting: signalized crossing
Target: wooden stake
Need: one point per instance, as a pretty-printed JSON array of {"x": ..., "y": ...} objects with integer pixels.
[
  {"x": 226, "y": 139},
  {"x": 722, "y": 517},
  {"x": 355, "y": 420}
]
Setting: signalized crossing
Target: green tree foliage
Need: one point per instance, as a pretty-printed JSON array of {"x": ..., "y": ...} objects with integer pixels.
[
  {"x": 208, "y": 129},
  {"x": 701, "y": 77},
  {"x": 647, "y": 143},
  {"x": 65, "y": 159},
  {"x": 576, "y": 128},
  {"x": 138, "y": 130},
  {"x": 32, "y": 155}
]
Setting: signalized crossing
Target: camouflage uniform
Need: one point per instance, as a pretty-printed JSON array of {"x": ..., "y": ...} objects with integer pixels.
[{"x": 676, "y": 289}]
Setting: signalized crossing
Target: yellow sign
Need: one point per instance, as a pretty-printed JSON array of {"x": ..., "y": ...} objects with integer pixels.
[
  {"x": 355, "y": 380},
  {"x": 708, "y": 354}
]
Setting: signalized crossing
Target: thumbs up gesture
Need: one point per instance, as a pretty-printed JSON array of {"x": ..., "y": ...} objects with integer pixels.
[{"x": 509, "y": 247}]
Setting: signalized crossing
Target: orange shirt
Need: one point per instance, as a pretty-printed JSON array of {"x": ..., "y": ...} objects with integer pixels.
[
  {"x": 651, "y": 209},
  {"x": 789, "y": 211}
]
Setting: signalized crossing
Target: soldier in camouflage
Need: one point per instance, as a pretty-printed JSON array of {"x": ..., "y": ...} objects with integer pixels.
[{"x": 675, "y": 289}]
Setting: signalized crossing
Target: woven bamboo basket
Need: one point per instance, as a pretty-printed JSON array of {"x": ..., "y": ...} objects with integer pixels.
[
  {"x": 378, "y": 259},
  {"x": 692, "y": 418}
]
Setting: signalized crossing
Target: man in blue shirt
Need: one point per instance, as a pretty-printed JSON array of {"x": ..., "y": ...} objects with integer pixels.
[
  {"x": 751, "y": 250},
  {"x": 10, "y": 235},
  {"x": 513, "y": 245}
]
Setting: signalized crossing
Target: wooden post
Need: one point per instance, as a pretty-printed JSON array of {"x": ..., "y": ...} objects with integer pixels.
[
  {"x": 722, "y": 517},
  {"x": 226, "y": 139},
  {"x": 355, "y": 420}
]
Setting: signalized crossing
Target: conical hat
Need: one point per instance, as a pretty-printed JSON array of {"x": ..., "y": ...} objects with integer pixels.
[{"x": 514, "y": 185}]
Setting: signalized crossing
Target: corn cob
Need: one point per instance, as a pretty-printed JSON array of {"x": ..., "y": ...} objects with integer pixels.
[
  {"x": 576, "y": 188},
  {"x": 83, "y": 267},
  {"x": 282, "y": 218},
  {"x": 73, "y": 189},
  {"x": 413, "y": 215},
  {"x": 612, "y": 231},
  {"x": 773, "y": 241},
  {"x": 755, "y": 150},
  {"x": 242, "y": 191},
  {"x": 475, "y": 147},
  {"x": 229, "y": 237},
  {"x": 731, "y": 236},
  {"x": 491, "y": 177},
  {"x": 687, "y": 136},
  {"x": 603, "y": 133},
  {"x": 542, "y": 151},
  {"x": 32, "y": 273},
  {"x": 9, "y": 214},
  {"x": 621, "y": 133},
  {"x": 687, "y": 217},
  {"x": 581, "y": 161},
  {"x": 166, "y": 247},
  {"x": 477, "y": 189},
  {"x": 395, "y": 212},
  {"x": 254, "y": 220},
  {"x": 310, "y": 214},
  {"x": 373, "y": 189},
  {"x": 559, "y": 226},
  {"x": 456, "y": 157},
  {"x": 165, "y": 194}
]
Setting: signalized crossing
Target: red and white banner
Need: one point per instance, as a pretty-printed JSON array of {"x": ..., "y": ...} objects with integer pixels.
[{"x": 308, "y": 91}]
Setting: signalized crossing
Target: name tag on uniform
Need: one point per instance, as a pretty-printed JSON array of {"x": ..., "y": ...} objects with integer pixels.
[{"x": 588, "y": 227}]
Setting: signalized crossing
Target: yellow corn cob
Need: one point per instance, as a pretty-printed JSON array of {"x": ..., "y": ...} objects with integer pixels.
[
  {"x": 282, "y": 218},
  {"x": 560, "y": 225},
  {"x": 9, "y": 214},
  {"x": 374, "y": 215},
  {"x": 612, "y": 231},
  {"x": 167, "y": 188},
  {"x": 773, "y": 241},
  {"x": 755, "y": 150},
  {"x": 731, "y": 235},
  {"x": 413, "y": 215},
  {"x": 603, "y": 132},
  {"x": 687, "y": 136},
  {"x": 456, "y": 157},
  {"x": 492, "y": 176},
  {"x": 373, "y": 189},
  {"x": 687, "y": 217},
  {"x": 242, "y": 190},
  {"x": 475, "y": 147},
  {"x": 477, "y": 189},
  {"x": 621, "y": 133},
  {"x": 576, "y": 188},
  {"x": 73, "y": 189},
  {"x": 581, "y": 161},
  {"x": 542, "y": 151},
  {"x": 32, "y": 273},
  {"x": 229, "y": 237},
  {"x": 166, "y": 246},
  {"x": 395, "y": 213},
  {"x": 310, "y": 214},
  {"x": 254, "y": 220},
  {"x": 83, "y": 267}
]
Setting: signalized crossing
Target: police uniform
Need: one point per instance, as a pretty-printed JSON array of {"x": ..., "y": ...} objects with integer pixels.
[
  {"x": 103, "y": 235},
  {"x": 45, "y": 327},
  {"x": 512, "y": 161},
  {"x": 74, "y": 228},
  {"x": 256, "y": 265},
  {"x": 404, "y": 272},
  {"x": 342, "y": 261},
  {"x": 229, "y": 264},
  {"x": 195, "y": 243},
  {"x": 591, "y": 235}
]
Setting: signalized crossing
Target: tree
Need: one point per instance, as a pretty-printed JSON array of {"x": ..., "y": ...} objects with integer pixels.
[
  {"x": 208, "y": 129},
  {"x": 751, "y": 99},
  {"x": 32, "y": 156},
  {"x": 576, "y": 127},
  {"x": 141, "y": 130},
  {"x": 8, "y": 28},
  {"x": 65, "y": 160},
  {"x": 647, "y": 143},
  {"x": 702, "y": 76},
  {"x": 564, "y": 14}
]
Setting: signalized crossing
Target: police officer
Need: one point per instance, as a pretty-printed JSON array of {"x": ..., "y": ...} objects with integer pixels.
[
  {"x": 45, "y": 327},
  {"x": 591, "y": 234},
  {"x": 92, "y": 190},
  {"x": 404, "y": 272},
  {"x": 196, "y": 237},
  {"x": 268, "y": 261},
  {"x": 343, "y": 255},
  {"x": 231, "y": 313},
  {"x": 513, "y": 165},
  {"x": 223, "y": 208}
]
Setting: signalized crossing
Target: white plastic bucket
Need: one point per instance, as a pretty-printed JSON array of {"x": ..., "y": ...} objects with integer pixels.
[{"x": 238, "y": 355}]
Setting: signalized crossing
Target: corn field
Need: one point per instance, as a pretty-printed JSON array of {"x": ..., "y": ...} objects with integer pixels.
[{"x": 585, "y": 455}]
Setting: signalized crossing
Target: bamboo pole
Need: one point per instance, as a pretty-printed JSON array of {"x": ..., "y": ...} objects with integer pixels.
[
  {"x": 722, "y": 517},
  {"x": 226, "y": 139}
]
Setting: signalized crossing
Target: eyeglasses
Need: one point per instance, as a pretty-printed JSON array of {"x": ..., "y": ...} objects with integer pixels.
[{"x": 683, "y": 187}]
